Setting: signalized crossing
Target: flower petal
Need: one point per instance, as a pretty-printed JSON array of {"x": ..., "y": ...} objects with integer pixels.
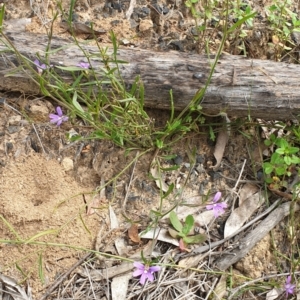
[
  {"x": 36, "y": 62},
  {"x": 149, "y": 276},
  {"x": 84, "y": 65},
  {"x": 59, "y": 111},
  {"x": 143, "y": 278},
  {"x": 217, "y": 197},
  {"x": 53, "y": 116},
  {"x": 222, "y": 204},
  {"x": 139, "y": 265},
  {"x": 137, "y": 272},
  {"x": 210, "y": 206},
  {"x": 218, "y": 211},
  {"x": 154, "y": 269},
  {"x": 59, "y": 122}
]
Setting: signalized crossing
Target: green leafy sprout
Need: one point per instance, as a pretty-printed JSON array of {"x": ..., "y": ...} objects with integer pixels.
[
  {"x": 283, "y": 22},
  {"x": 283, "y": 161},
  {"x": 185, "y": 231}
]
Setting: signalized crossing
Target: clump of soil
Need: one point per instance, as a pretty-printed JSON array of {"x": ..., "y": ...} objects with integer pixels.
[{"x": 38, "y": 197}]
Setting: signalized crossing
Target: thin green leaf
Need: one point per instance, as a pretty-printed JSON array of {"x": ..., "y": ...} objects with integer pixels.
[
  {"x": 188, "y": 224},
  {"x": 170, "y": 168},
  {"x": 2, "y": 14},
  {"x": 175, "y": 221},
  {"x": 84, "y": 225},
  {"x": 240, "y": 22},
  {"x": 38, "y": 235},
  {"x": 72, "y": 5},
  {"x": 21, "y": 270},
  {"x": 77, "y": 81},
  {"x": 10, "y": 227},
  {"x": 196, "y": 239},
  {"x": 71, "y": 69},
  {"x": 76, "y": 104},
  {"x": 169, "y": 157},
  {"x": 41, "y": 270},
  {"x": 169, "y": 191},
  {"x": 142, "y": 94}
]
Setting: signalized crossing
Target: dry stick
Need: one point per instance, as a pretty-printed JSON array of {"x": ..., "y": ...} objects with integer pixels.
[
  {"x": 248, "y": 242},
  {"x": 211, "y": 289},
  {"x": 64, "y": 276},
  {"x": 130, "y": 181},
  {"x": 39, "y": 138},
  {"x": 130, "y": 9},
  {"x": 233, "y": 190},
  {"x": 91, "y": 282},
  {"x": 238, "y": 180},
  {"x": 218, "y": 243}
]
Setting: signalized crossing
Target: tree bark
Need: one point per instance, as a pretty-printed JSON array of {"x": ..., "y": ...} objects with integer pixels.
[{"x": 239, "y": 86}]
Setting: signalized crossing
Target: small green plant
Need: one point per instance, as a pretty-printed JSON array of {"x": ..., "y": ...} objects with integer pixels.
[
  {"x": 283, "y": 22},
  {"x": 283, "y": 163},
  {"x": 184, "y": 231},
  {"x": 242, "y": 13}
]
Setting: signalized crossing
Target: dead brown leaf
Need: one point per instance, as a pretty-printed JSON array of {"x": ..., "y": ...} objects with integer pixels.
[
  {"x": 133, "y": 234},
  {"x": 95, "y": 203},
  {"x": 220, "y": 148}
]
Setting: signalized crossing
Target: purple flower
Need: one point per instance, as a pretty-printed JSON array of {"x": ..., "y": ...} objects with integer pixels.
[
  {"x": 40, "y": 67},
  {"x": 217, "y": 208},
  {"x": 59, "y": 118},
  {"x": 217, "y": 197},
  {"x": 83, "y": 65},
  {"x": 289, "y": 288},
  {"x": 145, "y": 271}
]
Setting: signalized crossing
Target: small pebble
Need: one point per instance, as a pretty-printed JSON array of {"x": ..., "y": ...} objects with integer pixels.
[
  {"x": 117, "y": 6},
  {"x": 9, "y": 147},
  {"x": 115, "y": 22},
  {"x": 178, "y": 160},
  {"x": 146, "y": 10},
  {"x": 198, "y": 75},
  {"x": 134, "y": 198},
  {"x": 67, "y": 164},
  {"x": 14, "y": 120},
  {"x": 191, "y": 68},
  {"x": 177, "y": 45},
  {"x": 194, "y": 31},
  {"x": 187, "y": 165},
  {"x": 200, "y": 159},
  {"x": 13, "y": 129},
  {"x": 133, "y": 23},
  {"x": 145, "y": 25}
]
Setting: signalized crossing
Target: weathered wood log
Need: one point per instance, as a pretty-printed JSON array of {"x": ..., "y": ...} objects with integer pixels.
[{"x": 239, "y": 86}]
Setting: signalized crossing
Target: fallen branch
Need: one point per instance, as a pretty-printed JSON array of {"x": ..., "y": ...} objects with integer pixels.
[
  {"x": 248, "y": 242},
  {"x": 239, "y": 86}
]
